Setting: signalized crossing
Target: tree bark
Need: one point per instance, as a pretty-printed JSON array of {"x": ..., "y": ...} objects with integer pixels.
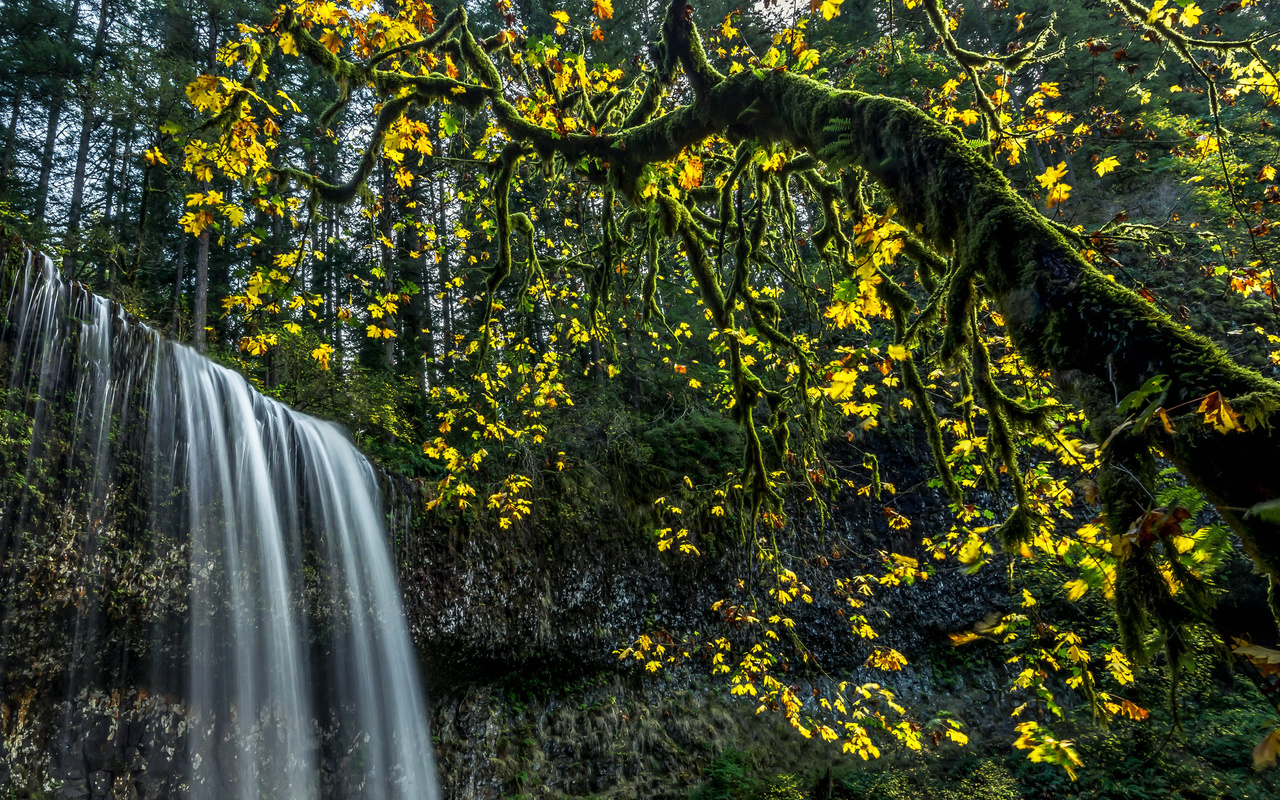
[
  {"x": 46, "y": 158},
  {"x": 88, "y": 121},
  {"x": 178, "y": 278},
  {"x": 51, "y": 128},
  {"x": 199, "y": 317},
  {"x": 11, "y": 133}
]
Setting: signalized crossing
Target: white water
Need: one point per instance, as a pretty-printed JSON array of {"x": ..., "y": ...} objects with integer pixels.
[{"x": 300, "y": 679}]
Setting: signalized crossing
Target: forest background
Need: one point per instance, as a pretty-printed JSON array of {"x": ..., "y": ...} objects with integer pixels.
[{"x": 483, "y": 313}]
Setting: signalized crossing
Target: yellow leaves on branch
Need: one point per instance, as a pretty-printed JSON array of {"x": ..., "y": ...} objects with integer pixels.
[
  {"x": 1046, "y": 748},
  {"x": 1106, "y": 165},
  {"x": 1052, "y": 180},
  {"x": 154, "y": 156},
  {"x": 726, "y": 26},
  {"x": 1052, "y": 175},
  {"x": 830, "y": 9},
  {"x": 691, "y": 174},
  {"x": 321, "y": 355},
  {"x": 562, "y": 19},
  {"x": 1187, "y": 17}
]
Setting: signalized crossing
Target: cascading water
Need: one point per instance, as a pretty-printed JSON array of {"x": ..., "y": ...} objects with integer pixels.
[{"x": 194, "y": 557}]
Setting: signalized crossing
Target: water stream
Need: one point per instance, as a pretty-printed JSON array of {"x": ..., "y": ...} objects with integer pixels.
[{"x": 216, "y": 548}]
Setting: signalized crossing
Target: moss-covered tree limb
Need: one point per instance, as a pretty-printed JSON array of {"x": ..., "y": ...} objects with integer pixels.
[{"x": 1097, "y": 340}]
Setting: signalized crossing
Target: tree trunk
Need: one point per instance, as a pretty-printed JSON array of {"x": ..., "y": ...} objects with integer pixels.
[
  {"x": 177, "y": 279},
  {"x": 51, "y": 128},
  {"x": 201, "y": 300},
  {"x": 71, "y": 240},
  {"x": 11, "y": 133},
  {"x": 88, "y": 121},
  {"x": 46, "y": 158}
]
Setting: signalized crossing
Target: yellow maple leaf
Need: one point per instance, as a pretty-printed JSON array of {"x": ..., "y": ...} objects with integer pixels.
[
  {"x": 1156, "y": 7},
  {"x": 154, "y": 156},
  {"x": 968, "y": 116},
  {"x": 691, "y": 174},
  {"x": 831, "y": 8},
  {"x": 1218, "y": 413},
  {"x": 1106, "y": 165},
  {"x": 1267, "y": 173},
  {"x": 1058, "y": 195},
  {"x": 321, "y": 354},
  {"x": 287, "y": 45},
  {"x": 1206, "y": 144},
  {"x": 562, "y": 19},
  {"x": 1264, "y": 755},
  {"x": 602, "y": 9},
  {"x": 1052, "y": 175},
  {"x": 1191, "y": 15},
  {"x": 842, "y": 384},
  {"x": 726, "y": 28},
  {"x": 331, "y": 41}
]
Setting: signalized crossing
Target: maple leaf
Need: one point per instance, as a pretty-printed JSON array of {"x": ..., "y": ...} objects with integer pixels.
[
  {"x": 968, "y": 116},
  {"x": 1266, "y": 173},
  {"x": 831, "y": 9},
  {"x": 321, "y": 355},
  {"x": 1218, "y": 413},
  {"x": 691, "y": 174},
  {"x": 203, "y": 92},
  {"x": 331, "y": 41},
  {"x": 287, "y": 45},
  {"x": 154, "y": 156},
  {"x": 1052, "y": 175},
  {"x": 842, "y": 384},
  {"x": 1266, "y": 660},
  {"x": 1264, "y": 755},
  {"x": 1058, "y": 195},
  {"x": 562, "y": 19},
  {"x": 726, "y": 28},
  {"x": 1191, "y": 15},
  {"x": 1106, "y": 165},
  {"x": 602, "y": 8}
]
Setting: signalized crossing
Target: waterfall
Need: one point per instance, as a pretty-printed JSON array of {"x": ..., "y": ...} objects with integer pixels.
[{"x": 172, "y": 538}]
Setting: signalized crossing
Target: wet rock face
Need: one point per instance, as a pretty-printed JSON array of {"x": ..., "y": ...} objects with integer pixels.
[
  {"x": 582, "y": 578},
  {"x": 518, "y": 630}
]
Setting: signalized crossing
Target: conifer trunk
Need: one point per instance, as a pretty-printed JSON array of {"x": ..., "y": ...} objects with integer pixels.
[
  {"x": 199, "y": 317},
  {"x": 88, "y": 121},
  {"x": 11, "y": 133}
]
